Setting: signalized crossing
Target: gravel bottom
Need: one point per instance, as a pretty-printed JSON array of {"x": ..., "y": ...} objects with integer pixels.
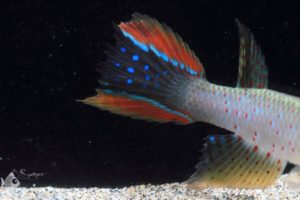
[{"x": 172, "y": 191}]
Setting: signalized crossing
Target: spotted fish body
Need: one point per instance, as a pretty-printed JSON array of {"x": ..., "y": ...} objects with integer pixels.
[
  {"x": 263, "y": 117},
  {"x": 152, "y": 74}
]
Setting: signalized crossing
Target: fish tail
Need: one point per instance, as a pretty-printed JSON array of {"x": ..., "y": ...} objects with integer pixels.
[{"x": 146, "y": 73}]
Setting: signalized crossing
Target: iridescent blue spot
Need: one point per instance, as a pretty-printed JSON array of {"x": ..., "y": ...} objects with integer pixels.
[
  {"x": 181, "y": 66},
  {"x": 130, "y": 70},
  {"x": 171, "y": 60},
  {"x": 146, "y": 67},
  {"x": 164, "y": 57},
  {"x": 175, "y": 63},
  {"x": 188, "y": 70},
  {"x": 193, "y": 72},
  {"x": 117, "y": 65},
  {"x": 129, "y": 81},
  {"x": 212, "y": 138},
  {"x": 157, "y": 75},
  {"x": 123, "y": 49},
  {"x": 147, "y": 77},
  {"x": 165, "y": 72},
  {"x": 135, "y": 57}
]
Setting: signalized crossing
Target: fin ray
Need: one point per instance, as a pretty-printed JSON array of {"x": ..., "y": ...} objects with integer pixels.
[
  {"x": 149, "y": 66},
  {"x": 136, "y": 107},
  {"x": 229, "y": 161},
  {"x": 161, "y": 39},
  {"x": 253, "y": 71}
]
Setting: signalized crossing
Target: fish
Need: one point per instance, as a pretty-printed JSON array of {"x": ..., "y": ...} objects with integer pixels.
[{"x": 152, "y": 74}]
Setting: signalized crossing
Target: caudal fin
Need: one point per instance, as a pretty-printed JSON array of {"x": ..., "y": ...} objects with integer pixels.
[{"x": 146, "y": 72}]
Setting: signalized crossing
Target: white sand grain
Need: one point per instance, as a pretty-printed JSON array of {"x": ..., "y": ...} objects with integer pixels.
[{"x": 172, "y": 191}]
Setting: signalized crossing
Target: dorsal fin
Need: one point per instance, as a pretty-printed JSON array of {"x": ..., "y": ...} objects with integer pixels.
[
  {"x": 253, "y": 71},
  {"x": 148, "y": 33},
  {"x": 229, "y": 161}
]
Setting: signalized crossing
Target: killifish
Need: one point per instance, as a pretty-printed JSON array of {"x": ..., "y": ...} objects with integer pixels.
[{"x": 152, "y": 74}]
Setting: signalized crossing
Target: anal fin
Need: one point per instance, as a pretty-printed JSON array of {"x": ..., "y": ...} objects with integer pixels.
[{"x": 229, "y": 161}]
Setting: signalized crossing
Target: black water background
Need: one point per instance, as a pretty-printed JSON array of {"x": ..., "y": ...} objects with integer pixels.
[{"x": 48, "y": 55}]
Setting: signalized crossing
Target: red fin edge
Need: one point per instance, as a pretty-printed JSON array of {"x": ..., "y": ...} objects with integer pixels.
[
  {"x": 134, "y": 108},
  {"x": 149, "y": 31}
]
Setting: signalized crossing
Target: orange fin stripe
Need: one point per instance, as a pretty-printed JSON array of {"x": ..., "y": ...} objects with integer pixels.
[
  {"x": 134, "y": 108},
  {"x": 149, "y": 31}
]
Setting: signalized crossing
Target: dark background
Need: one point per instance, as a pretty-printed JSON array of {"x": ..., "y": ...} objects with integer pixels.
[{"x": 48, "y": 55}]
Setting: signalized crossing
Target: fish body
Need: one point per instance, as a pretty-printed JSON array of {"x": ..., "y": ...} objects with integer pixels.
[
  {"x": 263, "y": 117},
  {"x": 151, "y": 74}
]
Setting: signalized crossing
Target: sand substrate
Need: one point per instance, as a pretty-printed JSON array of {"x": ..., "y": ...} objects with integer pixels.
[{"x": 281, "y": 190}]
